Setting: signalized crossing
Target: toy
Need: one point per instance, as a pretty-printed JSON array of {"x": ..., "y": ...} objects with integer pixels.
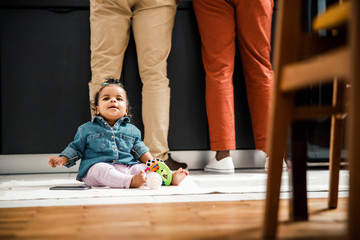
[
  {"x": 161, "y": 169},
  {"x": 165, "y": 173},
  {"x": 154, "y": 180},
  {"x": 154, "y": 167}
]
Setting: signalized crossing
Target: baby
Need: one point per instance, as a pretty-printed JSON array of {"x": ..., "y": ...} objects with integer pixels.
[{"x": 110, "y": 148}]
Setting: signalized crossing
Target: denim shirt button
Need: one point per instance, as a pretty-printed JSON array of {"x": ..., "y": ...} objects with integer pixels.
[
  {"x": 114, "y": 160},
  {"x": 115, "y": 149}
]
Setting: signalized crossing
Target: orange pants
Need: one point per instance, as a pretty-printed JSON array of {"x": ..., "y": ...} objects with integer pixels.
[{"x": 220, "y": 23}]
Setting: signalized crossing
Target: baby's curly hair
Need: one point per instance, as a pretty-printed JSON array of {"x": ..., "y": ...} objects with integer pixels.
[{"x": 111, "y": 81}]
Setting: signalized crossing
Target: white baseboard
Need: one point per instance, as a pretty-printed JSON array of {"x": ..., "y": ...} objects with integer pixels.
[{"x": 38, "y": 163}]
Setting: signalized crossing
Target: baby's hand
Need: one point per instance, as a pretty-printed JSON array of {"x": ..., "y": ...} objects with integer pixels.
[{"x": 58, "y": 161}]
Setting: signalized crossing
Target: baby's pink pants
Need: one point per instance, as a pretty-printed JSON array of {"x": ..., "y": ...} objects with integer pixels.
[{"x": 112, "y": 175}]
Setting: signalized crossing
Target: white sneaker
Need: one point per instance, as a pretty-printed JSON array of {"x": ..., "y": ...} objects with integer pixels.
[{"x": 224, "y": 165}]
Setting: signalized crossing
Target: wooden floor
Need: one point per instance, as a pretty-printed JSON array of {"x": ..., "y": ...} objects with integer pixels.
[{"x": 200, "y": 220}]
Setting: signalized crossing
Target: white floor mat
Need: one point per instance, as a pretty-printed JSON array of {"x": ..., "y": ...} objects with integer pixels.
[{"x": 33, "y": 190}]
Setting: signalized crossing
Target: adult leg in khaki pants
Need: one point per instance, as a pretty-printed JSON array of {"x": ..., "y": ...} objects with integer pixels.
[
  {"x": 152, "y": 23},
  {"x": 152, "y": 28},
  {"x": 110, "y": 23}
]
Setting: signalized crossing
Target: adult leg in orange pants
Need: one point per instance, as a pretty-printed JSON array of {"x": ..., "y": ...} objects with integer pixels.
[{"x": 220, "y": 22}]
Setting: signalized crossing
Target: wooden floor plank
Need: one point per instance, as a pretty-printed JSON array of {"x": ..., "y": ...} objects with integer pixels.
[{"x": 198, "y": 220}]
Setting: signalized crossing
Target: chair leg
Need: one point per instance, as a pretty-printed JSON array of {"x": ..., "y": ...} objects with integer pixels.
[
  {"x": 297, "y": 174},
  {"x": 354, "y": 126},
  {"x": 277, "y": 138},
  {"x": 336, "y": 140},
  {"x": 354, "y": 168},
  {"x": 354, "y": 160},
  {"x": 337, "y": 126}
]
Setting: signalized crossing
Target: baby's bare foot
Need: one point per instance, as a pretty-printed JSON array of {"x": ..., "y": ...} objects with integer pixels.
[
  {"x": 138, "y": 180},
  {"x": 179, "y": 176}
]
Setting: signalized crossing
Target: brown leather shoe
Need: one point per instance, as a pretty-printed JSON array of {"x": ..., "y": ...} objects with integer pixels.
[{"x": 174, "y": 165}]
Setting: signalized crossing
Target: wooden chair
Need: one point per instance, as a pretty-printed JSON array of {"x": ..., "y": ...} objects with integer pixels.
[{"x": 302, "y": 60}]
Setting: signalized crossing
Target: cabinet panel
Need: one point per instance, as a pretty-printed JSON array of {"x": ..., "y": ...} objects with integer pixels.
[{"x": 44, "y": 56}]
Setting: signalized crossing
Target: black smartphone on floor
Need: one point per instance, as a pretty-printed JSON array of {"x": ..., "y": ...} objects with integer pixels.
[{"x": 79, "y": 187}]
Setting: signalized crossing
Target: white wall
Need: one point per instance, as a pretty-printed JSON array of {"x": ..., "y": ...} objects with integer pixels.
[{"x": 38, "y": 163}]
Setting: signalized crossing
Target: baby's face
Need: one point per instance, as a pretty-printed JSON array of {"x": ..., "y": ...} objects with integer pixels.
[{"x": 112, "y": 103}]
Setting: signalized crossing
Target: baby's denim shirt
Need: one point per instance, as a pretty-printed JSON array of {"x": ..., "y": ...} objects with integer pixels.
[{"x": 96, "y": 141}]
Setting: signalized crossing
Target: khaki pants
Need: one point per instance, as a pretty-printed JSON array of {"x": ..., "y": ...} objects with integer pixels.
[
  {"x": 152, "y": 23},
  {"x": 220, "y": 23}
]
